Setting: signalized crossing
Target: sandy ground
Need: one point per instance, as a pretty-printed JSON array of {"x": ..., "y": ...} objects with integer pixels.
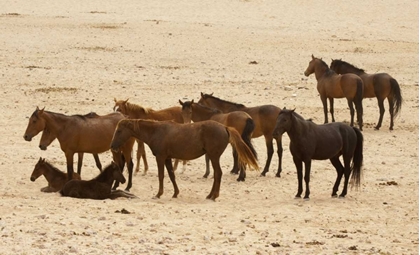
[{"x": 74, "y": 57}]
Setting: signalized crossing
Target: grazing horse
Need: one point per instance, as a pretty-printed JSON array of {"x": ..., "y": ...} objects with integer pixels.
[
  {"x": 241, "y": 121},
  {"x": 331, "y": 85},
  {"x": 168, "y": 139},
  {"x": 328, "y": 141},
  {"x": 379, "y": 85},
  {"x": 134, "y": 111},
  {"x": 97, "y": 188},
  {"x": 264, "y": 117},
  {"x": 77, "y": 133},
  {"x": 55, "y": 178}
]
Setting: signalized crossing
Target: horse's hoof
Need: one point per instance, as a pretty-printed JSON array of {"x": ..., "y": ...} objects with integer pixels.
[
  {"x": 263, "y": 174},
  {"x": 341, "y": 197},
  {"x": 297, "y": 197},
  {"x": 278, "y": 175},
  {"x": 155, "y": 197},
  {"x": 306, "y": 198},
  {"x": 334, "y": 196},
  {"x": 205, "y": 176},
  {"x": 240, "y": 179}
]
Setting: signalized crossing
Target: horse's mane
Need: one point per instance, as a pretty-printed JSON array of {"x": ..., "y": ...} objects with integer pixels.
[
  {"x": 213, "y": 110},
  {"x": 88, "y": 115},
  {"x": 104, "y": 172},
  {"x": 55, "y": 169},
  {"x": 136, "y": 108},
  {"x": 224, "y": 101},
  {"x": 341, "y": 62},
  {"x": 329, "y": 70}
]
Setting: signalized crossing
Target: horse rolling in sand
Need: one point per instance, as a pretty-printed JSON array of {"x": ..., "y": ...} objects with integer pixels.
[
  {"x": 55, "y": 178},
  {"x": 331, "y": 85},
  {"x": 328, "y": 141},
  {"x": 99, "y": 187},
  {"x": 77, "y": 133},
  {"x": 135, "y": 111},
  {"x": 168, "y": 139},
  {"x": 264, "y": 117},
  {"x": 239, "y": 120},
  {"x": 379, "y": 85}
]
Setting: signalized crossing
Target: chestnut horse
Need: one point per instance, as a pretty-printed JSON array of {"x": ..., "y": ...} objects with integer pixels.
[
  {"x": 328, "y": 141},
  {"x": 168, "y": 139},
  {"x": 80, "y": 134},
  {"x": 55, "y": 178},
  {"x": 99, "y": 187},
  {"x": 379, "y": 85},
  {"x": 134, "y": 111},
  {"x": 331, "y": 85},
  {"x": 241, "y": 121},
  {"x": 264, "y": 117}
]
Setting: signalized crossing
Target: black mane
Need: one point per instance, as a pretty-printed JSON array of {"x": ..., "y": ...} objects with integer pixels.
[
  {"x": 341, "y": 62},
  {"x": 224, "y": 101}
]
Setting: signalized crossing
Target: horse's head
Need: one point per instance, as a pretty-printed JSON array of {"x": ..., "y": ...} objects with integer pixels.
[
  {"x": 122, "y": 133},
  {"x": 35, "y": 125},
  {"x": 46, "y": 139},
  {"x": 311, "y": 67},
  {"x": 186, "y": 110},
  {"x": 116, "y": 173},
  {"x": 335, "y": 65},
  {"x": 283, "y": 122},
  {"x": 38, "y": 169},
  {"x": 204, "y": 99},
  {"x": 120, "y": 106}
]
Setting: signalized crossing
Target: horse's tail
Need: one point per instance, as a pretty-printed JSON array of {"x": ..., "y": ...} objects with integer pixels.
[
  {"x": 247, "y": 134},
  {"x": 245, "y": 155},
  {"x": 396, "y": 94},
  {"x": 357, "y": 159},
  {"x": 359, "y": 91}
]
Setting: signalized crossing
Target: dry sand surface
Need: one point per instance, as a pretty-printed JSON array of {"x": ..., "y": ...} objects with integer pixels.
[{"x": 74, "y": 57}]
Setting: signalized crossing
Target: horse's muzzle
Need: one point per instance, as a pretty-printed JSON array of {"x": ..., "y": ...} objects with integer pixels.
[
  {"x": 43, "y": 147},
  {"x": 33, "y": 178},
  {"x": 114, "y": 149},
  {"x": 306, "y": 74},
  {"x": 27, "y": 137}
]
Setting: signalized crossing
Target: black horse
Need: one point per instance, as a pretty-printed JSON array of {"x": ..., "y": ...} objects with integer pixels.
[{"x": 328, "y": 141}]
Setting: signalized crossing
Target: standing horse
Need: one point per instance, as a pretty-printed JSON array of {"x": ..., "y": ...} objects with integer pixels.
[
  {"x": 264, "y": 117},
  {"x": 241, "y": 121},
  {"x": 55, "y": 178},
  {"x": 134, "y": 111},
  {"x": 379, "y": 85},
  {"x": 328, "y": 141},
  {"x": 168, "y": 139},
  {"x": 80, "y": 134},
  {"x": 331, "y": 85},
  {"x": 97, "y": 188}
]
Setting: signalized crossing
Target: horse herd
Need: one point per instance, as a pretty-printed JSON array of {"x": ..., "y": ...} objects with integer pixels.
[{"x": 170, "y": 134}]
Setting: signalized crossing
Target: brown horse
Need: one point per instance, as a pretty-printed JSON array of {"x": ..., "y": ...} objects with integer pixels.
[
  {"x": 80, "y": 134},
  {"x": 320, "y": 142},
  {"x": 241, "y": 121},
  {"x": 331, "y": 85},
  {"x": 168, "y": 139},
  {"x": 264, "y": 117},
  {"x": 55, "y": 178},
  {"x": 379, "y": 85},
  {"x": 48, "y": 137},
  {"x": 134, "y": 111},
  {"x": 97, "y": 188}
]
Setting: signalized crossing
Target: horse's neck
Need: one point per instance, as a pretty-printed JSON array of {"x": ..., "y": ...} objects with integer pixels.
[
  {"x": 200, "y": 113},
  {"x": 298, "y": 130},
  {"x": 135, "y": 111},
  {"x": 146, "y": 130},
  {"x": 321, "y": 70},
  {"x": 105, "y": 177},
  {"x": 55, "y": 122},
  {"x": 50, "y": 173},
  {"x": 350, "y": 69},
  {"x": 225, "y": 106}
]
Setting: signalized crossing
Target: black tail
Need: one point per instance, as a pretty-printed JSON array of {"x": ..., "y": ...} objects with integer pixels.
[
  {"x": 357, "y": 160},
  {"x": 247, "y": 133},
  {"x": 397, "y": 98},
  {"x": 359, "y": 92}
]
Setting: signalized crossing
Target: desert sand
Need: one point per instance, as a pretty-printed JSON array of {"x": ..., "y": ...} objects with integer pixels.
[{"x": 75, "y": 57}]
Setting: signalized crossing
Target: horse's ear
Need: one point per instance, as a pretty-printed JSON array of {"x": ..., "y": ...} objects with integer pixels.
[
  {"x": 115, "y": 100},
  {"x": 212, "y": 94},
  {"x": 180, "y": 102},
  {"x": 40, "y": 111},
  {"x": 126, "y": 101},
  {"x": 284, "y": 108},
  {"x": 313, "y": 56},
  {"x": 293, "y": 110},
  {"x": 202, "y": 94},
  {"x": 192, "y": 101}
]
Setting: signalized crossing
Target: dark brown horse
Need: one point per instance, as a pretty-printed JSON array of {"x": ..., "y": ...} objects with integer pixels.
[
  {"x": 264, "y": 117},
  {"x": 134, "y": 111},
  {"x": 168, "y": 139},
  {"x": 331, "y": 85},
  {"x": 48, "y": 137},
  {"x": 379, "y": 85},
  {"x": 80, "y": 134},
  {"x": 97, "y": 188},
  {"x": 55, "y": 178},
  {"x": 328, "y": 141},
  {"x": 239, "y": 120}
]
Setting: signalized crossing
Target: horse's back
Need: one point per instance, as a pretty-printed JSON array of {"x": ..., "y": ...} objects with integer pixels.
[{"x": 264, "y": 117}]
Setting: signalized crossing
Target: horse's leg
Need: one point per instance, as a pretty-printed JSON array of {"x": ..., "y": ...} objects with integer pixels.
[
  {"x": 279, "y": 154},
  {"x": 79, "y": 162},
  {"x": 176, "y": 162},
  {"x": 168, "y": 164},
  {"x": 359, "y": 109},
  {"x": 307, "y": 177},
  {"x": 207, "y": 166},
  {"x": 97, "y": 162},
  {"x": 217, "y": 179},
  {"x": 130, "y": 165},
  {"x": 347, "y": 171},
  {"x": 161, "y": 168},
  {"x": 119, "y": 160},
  {"x": 335, "y": 161},
  {"x": 270, "y": 151},
  {"x": 184, "y": 165},
  {"x": 332, "y": 109},
  {"x": 350, "y": 104},
  {"x": 69, "y": 159},
  {"x": 242, "y": 174},
  {"x": 381, "y": 112},
  {"x": 235, "y": 169},
  {"x": 298, "y": 164},
  {"x": 391, "y": 112},
  {"x": 138, "y": 156}
]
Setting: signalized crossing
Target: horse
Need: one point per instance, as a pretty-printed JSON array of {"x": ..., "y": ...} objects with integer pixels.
[
  {"x": 134, "y": 111},
  {"x": 55, "y": 178},
  {"x": 77, "y": 133},
  {"x": 97, "y": 188},
  {"x": 331, "y": 85},
  {"x": 168, "y": 139},
  {"x": 239, "y": 120},
  {"x": 327, "y": 141},
  {"x": 379, "y": 85},
  {"x": 264, "y": 117}
]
